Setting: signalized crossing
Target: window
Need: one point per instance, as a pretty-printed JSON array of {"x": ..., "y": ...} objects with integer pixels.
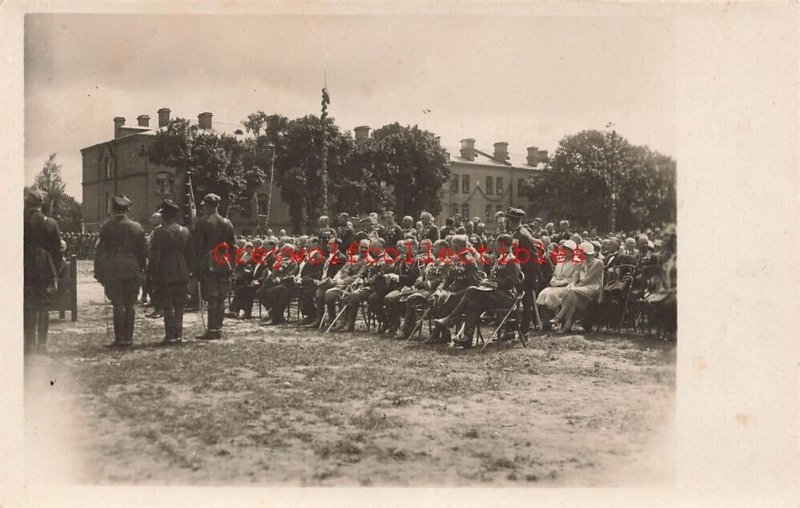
[
  {"x": 520, "y": 185},
  {"x": 453, "y": 209},
  {"x": 465, "y": 184},
  {"x": 454, "y": 183},
  {"x": 465, "y": 211},
  {"x": 489, "y": 185},
  {"x": 498, "y": 188},
  {"x": 489, "y": 214}
]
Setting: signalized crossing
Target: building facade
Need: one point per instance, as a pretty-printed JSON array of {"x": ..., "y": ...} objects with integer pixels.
[{"x": 121, "y": 166}]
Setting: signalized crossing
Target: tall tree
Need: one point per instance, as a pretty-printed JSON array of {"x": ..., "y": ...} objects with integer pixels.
[
  {"x": 266, "y": 131},
  {"x": 58, "y": 204},
  {"x": 413, "y": 162},
  {"x": 362, "y": 185},
  {"x": 298, "y": 163},
  {"x": 216, "y": 162}
]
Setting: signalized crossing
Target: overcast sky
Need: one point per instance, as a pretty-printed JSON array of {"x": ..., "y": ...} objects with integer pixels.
[{"x": 524, "y": 80}]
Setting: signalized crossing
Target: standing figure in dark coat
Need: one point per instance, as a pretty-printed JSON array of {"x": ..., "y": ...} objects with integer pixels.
[
  {"x": 119, "y": 263},
  {"x": 214, "y": 272},
  {"x": 169, "y": 269},
  {"x": 43, "y": 262}
]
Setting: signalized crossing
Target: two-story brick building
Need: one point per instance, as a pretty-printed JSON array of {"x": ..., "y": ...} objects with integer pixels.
[{"x": 122, "y": 166}]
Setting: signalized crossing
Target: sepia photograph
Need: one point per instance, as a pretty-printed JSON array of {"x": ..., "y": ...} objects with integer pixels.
[
  {"x": 361, "y": 258},
  {"x": 372, "y": 248}
]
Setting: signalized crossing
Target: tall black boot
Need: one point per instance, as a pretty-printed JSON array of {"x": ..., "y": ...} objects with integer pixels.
[
  {"x": 177, "y": 323},
  {"x": 320, "y": 309},
  {"x": 130, "y": 320},
  {"x": 42, "y": 326},
  {"x": 119, "y": 323},
  {"x": 169, "y": 323}
]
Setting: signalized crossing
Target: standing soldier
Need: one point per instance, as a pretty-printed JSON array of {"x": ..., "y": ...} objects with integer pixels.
[
  {"x": 325, "y": 232},
  {"x": 149, "y": 289},
  {"x": 429, "y": 229},
  {"x": 345, "y": 233},
  {"x": 119, "y": 262},
  {"x": 42, "y": 262},
  {"x": 215, "y": 274},
  {"x": 169, "y": 269},
  {"x": 531, "y": 268},
  {"x": 392, "y": 233}
]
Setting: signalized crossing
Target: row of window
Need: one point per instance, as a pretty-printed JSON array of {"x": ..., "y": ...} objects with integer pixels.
[
  {"x": 463, "y": 210},
  {"x": 494, "y": 185}
]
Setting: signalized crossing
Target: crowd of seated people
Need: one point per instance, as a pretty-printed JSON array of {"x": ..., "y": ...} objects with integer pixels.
[{"x": 399, "y": 276}]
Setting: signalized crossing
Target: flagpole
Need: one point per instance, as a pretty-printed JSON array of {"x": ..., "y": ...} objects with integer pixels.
[{"x": 323, "y": 174}]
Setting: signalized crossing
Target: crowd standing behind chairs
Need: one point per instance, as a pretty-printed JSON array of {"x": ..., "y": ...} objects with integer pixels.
[{"x": 395, "y": 277}]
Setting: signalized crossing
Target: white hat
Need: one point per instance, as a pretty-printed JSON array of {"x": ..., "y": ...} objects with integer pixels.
[
  {"x": 569, "y": 244},
  {"x": 587, "y": 248}
]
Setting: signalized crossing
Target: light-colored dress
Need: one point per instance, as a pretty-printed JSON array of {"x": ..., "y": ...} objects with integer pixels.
[
  {"x": 587, "y": 282},
  {"x": 562, "y": 275}
]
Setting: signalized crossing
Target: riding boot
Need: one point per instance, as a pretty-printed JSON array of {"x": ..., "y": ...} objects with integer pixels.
[
  {"x": 320, "y": 306},
  {"x": 169, "y": 323},
  {"x": 42, "y": 326},
  {"x": 130, "y": 320},
  {"x": 177, "y": 323},
  {"x": 119, "y": 323}
]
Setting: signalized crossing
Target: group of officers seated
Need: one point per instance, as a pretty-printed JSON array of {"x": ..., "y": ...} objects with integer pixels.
[{"x": 399, "y": 277}]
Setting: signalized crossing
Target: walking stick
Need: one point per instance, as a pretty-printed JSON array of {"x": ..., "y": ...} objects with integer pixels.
[
  {"x": 510, "y": 310},
  {"x": 345, "y": 293},
  {"x": 536, "y": 310},
  {"x": 627, "y": 299},
  {"x": 421, "y": 320}
]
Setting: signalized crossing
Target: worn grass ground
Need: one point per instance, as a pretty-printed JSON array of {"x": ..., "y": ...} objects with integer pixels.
[{"x": 291, "y": 407}]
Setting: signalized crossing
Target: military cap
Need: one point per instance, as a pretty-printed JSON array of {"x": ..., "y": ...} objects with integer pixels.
[
  {"x": 366, "y": 218},
  {"x": 515, "y": 212},
  {"x": 121, "y": 201},
  {"x": 33, "y": 196},
  {"x": 210, "y": 198},
  {"x": 499, "y": 214},
  {"x": 167, "y": 204}
]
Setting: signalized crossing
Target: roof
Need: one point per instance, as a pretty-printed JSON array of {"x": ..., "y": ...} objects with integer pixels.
[
  {"x": 217, "y": 128},
  {"x": 484, "y": 158}
]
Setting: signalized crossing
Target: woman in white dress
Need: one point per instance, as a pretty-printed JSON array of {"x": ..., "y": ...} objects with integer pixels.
[
  {"x": 550, "y": 298},
  {"x": 587, "y": 282}
]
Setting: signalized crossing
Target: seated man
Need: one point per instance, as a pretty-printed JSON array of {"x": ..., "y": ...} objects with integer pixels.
[
  {"x": 344, "y": 280},
  {"x": 497, "y": 291},
  {"x": 463, "y": 274},
  {"x": 406, "y": 270},
  {"x": 302, "y": 285},
  {"x": 419, "y": 296},
  {"x": 334, "y": 261},
  {"x": 374, "y": 268},
  {"x": 275, "y": 283}
]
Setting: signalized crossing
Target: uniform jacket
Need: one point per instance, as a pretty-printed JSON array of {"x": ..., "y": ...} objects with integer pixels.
[
  {"x": 210, "y": 231},
  {"x": 431, "y": 232},
  {"x": 170, "y": 254},
  {"x": 504, "y": 274},
  {"x": 462, "y": 275},
  {"x": 532, "y": 270},
  {"x": 121, "y": 250},
  {"x": 41, "y": 236}
]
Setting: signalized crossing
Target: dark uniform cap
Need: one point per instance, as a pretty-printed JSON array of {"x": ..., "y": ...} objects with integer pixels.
[
  {"x": 167, "y": 204},
  {"x": 121, "y": 201},
  {"x": 515, "y": 212},
  {"x": 210, "y": 198},
  {"x": 33, "y": 196}
]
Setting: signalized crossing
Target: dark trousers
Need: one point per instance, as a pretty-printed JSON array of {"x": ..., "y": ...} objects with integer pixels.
[
  {"x": 476, "y": 301},
  {"x": 173, "y": 300},
  {"x": 122, "y": 293},
  {"x": 243, "y": 299},
  {"x": 214, "y": 288},
  {"x": 36, "y": 316}
]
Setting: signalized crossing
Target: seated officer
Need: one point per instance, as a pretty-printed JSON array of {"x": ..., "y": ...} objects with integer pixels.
[
  {"x": 277, "y": 282},
  {"x": 374, "y": 268},
  {"x": 334, "y": 262},
  {"x": 419, "y": 296},
  {"x": 498, "y": 291},
  {"x": 348, "y": 276},
  {"x": 407, "y": 268}
]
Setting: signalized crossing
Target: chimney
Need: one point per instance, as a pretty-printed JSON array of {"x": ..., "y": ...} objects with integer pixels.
[
  {"x": 204, "y": 120},
  {"x": 118, "y": 123},
  {"x": 362, "y": 133},
  {"x": 468, "y": 149},
  {"x": 542, "y": 155},
  {"x": 533, "y": 155},
  {"x": 144, "y": 120},
  {"x": 163, "y": 117},
  {"x": 501, "y": 151}
]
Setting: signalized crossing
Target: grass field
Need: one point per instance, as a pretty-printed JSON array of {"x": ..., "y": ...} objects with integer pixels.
[{"x": 285, "y": 406}]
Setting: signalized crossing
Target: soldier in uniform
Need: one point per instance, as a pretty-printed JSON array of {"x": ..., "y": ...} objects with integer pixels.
[
  {"x": 303, "y": 285},
  {"x": 429, "y": 229},
  {"x": 324, "y": 232},
  {"x": 409, "y": 231},
  {"x": 345, "y": 278},
  {"x": 497, "y": 291},
  {"x": 424, "y": 287},
  {"x": 334, "y": 261},
  {"x": 169, "y": 269},
  {"x": 392, "y": 233},
  {"x": 276, "y": 283},
  {"x": 406, "y": 270},
  {"x": 345, "y": 232},
  {"x": 374, "y": 267},
  {"x": 42, "y": 264},
  {"x": 210, "y": 231},
  {"x": 149, "y": 288},
  {"x": 531, "y": 267},
  {"x": 119, "y": 263}
]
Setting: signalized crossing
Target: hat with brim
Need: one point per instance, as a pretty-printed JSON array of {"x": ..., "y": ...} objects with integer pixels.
[
  {"x": 211, "y": 198},
  {"x": 33, "y": 196},
  {"x": 121, "y": 201},
  {"x": 168, "y": 205},
  {"x": 515, "y": 212},
  {"x": 569, "y": 244},
  {"x": 587, "y": 248}
]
